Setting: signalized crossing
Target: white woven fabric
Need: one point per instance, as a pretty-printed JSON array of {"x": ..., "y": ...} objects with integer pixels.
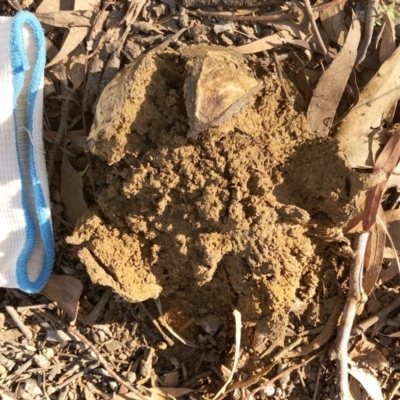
[{"x": 26, "y": 240}]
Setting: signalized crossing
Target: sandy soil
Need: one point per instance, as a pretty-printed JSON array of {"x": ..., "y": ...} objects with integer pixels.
[{"x": 238, "y": 218}]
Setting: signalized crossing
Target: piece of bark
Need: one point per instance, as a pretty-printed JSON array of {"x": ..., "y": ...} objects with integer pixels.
[
  {"x": 218, "y": 85},
  {"x": 230, "y": 3}
]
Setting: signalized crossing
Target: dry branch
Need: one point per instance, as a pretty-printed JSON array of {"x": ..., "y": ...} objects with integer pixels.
[
  {"x": 321, "y": 43},
  {"x": 363, "y": 326},
  {"x": 354, "y": 299},
  {"x": 19, "y": 322},
  {"x": 372, "y": 10},
  {"x": 231, "y": 3}
]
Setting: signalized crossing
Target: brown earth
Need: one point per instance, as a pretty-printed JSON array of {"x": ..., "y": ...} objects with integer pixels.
[{"x": 199, "y": 223}]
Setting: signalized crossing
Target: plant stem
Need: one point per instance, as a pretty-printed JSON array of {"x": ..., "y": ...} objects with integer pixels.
[{"x": 354, "y": 299}]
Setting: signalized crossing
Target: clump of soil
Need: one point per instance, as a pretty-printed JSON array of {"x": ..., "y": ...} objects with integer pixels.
[{"x": 196, "y": 222}]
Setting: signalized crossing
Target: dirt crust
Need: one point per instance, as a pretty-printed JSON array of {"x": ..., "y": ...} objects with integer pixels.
[{"x": 196, "y": 222}]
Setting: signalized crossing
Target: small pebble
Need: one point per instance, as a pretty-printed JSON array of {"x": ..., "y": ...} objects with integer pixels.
[
  {"x": 183, "y": 17},
  {"x": 211, "y": 324},
  {"x": 41, "y": 361},
  {"x": 113, "y": 385},
  {"x": 131, "y": 377},
  {"x": 225, "y": 40},
  {"x": 269, "y": 390},
  {"x": 161, "y": 345}
]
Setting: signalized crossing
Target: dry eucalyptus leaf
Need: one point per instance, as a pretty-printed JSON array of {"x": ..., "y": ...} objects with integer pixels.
[
  {"x": 218, "y": 85},
  {"x": 363, "y": 153},
  {"x": 388, "y": 42},
  {"x": 374, "y": 255},
  {"x": 364, "y": 352},
  {"x": 65, "y": 291},
  {"x": 171, "y": 379},
  {"x": 92, "y": 5},
  {"x": 332, "y": 19},
  {"x": 382, "y": 91},
  {"x": 50, "y": 6},
  {"x": 51, "y": 49},
  {"x": 355, "y": 389},
  {"x": 324, "y": 103},
  {"x": 67, "y": 19},
  {"x": 267, "y": 43},
  {"x": 367, "y": 380},
  {"x": 76, "y": 65},
  {"x": 290, "y": 26},
  {"x": 73, "y": 38}
]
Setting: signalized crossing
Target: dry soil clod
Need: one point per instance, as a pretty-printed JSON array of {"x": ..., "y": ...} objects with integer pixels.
[{"x": 198, "y": 222}]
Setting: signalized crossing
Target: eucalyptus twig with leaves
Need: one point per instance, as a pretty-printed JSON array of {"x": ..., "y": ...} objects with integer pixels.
[{"x": 385, "y": 163}]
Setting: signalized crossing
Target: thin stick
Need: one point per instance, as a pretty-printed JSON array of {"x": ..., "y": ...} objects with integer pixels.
[
  {"x": 317, "y": 382},
  {"x": 363, "y": 326},
  {"x": 274, "y": 16},
  {"x": 394, "y": 390},
  {"x": 238, "y": 330},
  {"x": 97, "y": 309},
  {"x": 104, "y": 363},
  {"x": 280, "y": 75},
  {"x": 101, "y": 359},
  {"x": 287, "y": 349},
  {"x": 280, "y": 375},
  {"x": 74, "y": 377},
  {"x": 372, "y": 11},
  {"x": 354, "y": 298},
  {"x": 166, "y": 338},
  {"x": 321, "y": 43},
  {"x": 19, "y": 322},
  {"x": 268, "y": 17},
  {"x": 186, "y": 342}
]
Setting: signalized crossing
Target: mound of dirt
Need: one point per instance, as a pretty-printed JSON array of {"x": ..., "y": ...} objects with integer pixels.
[{"x": 196, "y": 222}]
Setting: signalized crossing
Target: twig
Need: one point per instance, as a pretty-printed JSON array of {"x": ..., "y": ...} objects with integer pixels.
[
  {"x": 166, "y": 338},
  {"x": 238, "y": 330},
  {"x": 287, "y": 349},
  {"x": 19, "y": 322},
  {"x": 55, "y": 388},
  {"x": 274, "y": 16},
  {"x": 372, "y": 10},
  {"x": 104, "y": 363},
  {"x": 92, "y": 317},
  {"x": 268, "y": 17},
  {"x": 130, "y": 18},
  {"x": 280, "y": 75},
  {"x": 363, "y": 326},
  {"x": 279, "y": 376},
  {"x": 317, "y": 381},
  {"x": 100, "y": 358},
  {"x": 354, "y": 298},
  {"x": 186, "y": 342},
  {"x": 326, "y": 332},
  {"x": 35, "y": 306},
  {"x": 394, "y": 390},
  {"x": 321, "y": 43}
]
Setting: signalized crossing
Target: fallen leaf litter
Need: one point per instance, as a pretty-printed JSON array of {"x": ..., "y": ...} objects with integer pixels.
[{"x": 249, "y": 216}]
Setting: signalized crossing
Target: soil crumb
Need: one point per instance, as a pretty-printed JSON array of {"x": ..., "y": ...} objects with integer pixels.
[{"x": 196, "y": 222}]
